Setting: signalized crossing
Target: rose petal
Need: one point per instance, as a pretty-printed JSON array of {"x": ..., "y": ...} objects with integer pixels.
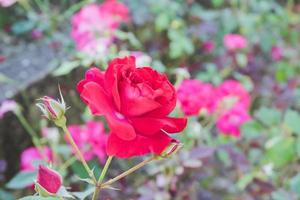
[
  {"x": 92, "y": 75},
  {"x": 113, "y": 73},
  {"x": 49, "y": 179},
  {"x": 139, "y": 146},
  {"x": 149, "y": 126},
  {"x": 97, "y": 99}
]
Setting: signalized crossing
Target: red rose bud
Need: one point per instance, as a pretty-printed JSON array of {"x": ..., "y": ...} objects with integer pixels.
[
  {"x": 53, "y": 109},
  {"x": 48, "y": 181}
]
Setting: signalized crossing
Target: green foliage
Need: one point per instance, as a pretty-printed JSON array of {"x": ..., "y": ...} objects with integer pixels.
[{"x": 22, "y": 180}]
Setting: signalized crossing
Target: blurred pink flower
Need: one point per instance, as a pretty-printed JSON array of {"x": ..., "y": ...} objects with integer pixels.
[
  {"x": 94, "y": 25},
  {"x": 91, "y": 139},
  {"x": 194, "y": 96},
  {"x": 2, "y": 58},
  {"x": 7, "y": 3},
  {"x": 208, "y": 46},
  {"x": 229, "y": 93},
  {"x": 233, "y": 42},
  {"x": 31, "y": 158},
  {"x": 229, "y": 122},
  {"x": 36, "y": 34},
  {"x": 7, "y": 106},
  {"x": 49, "y": 179},
  {"x": 276, "y": 53}
]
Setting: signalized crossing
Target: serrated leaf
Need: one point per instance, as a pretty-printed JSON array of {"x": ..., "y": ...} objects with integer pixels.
[
  {"x": 84, "y": 194},
  {"x": 22, "y": 180}
]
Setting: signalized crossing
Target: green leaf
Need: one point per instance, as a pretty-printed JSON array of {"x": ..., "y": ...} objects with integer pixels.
[
  {"x": 292, "y": 121},
  {"x": 83, "y": 195},
  {"x": 224, "y": 157},
  {"x": 22, "y": 180},
  {"x": 6, "y": 195},
  {"x": 162, "y": 22},
  {"x": 66, "y": 68},
  {"x": 280, "y": 151},
  {"x": 251, "y": 129},
  {"x": 217, "y": 3},
  {"x": 298, "y": 147},
  {"x": 295, "y": 184},
  {"x": 39, "y": 198},
  {"x": 268, "y": 116},
  {"x": 22, "y": 27},
  {"x": 280, "y": 195},
  {"x": 241, "y": 59},
  {"x": 62, "y": 192}
]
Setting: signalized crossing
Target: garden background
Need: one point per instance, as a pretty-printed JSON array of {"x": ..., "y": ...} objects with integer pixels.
[{"x": 235, "y": 67}]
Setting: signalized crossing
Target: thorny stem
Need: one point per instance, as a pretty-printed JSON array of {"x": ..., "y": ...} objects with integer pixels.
[
  {"x": 78, "y": 153},
  {"x": 131, "y": 170},
  {"x": 102, "y": 175}
]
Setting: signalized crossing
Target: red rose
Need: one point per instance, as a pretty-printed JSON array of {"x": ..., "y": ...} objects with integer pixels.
[{"x": 136, "y": 103}]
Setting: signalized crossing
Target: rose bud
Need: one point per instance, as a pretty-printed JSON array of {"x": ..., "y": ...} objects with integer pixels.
[
  {"x": 172, "y": 149},
  {"x": 53, "y": 109},
  {"x": 48, "y": 181}
]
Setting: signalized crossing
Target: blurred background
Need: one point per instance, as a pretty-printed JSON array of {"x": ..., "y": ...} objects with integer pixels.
[{"x": 242, "y": 54}]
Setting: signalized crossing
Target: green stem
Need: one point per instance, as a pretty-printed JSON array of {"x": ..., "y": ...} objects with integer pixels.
[
  {"x": 78, "y": 153},
  {"x": 34, "y": 136},
  {"x": 102, "y": 175},
  {"x": 66, "y": 164},
  {"x": 131, "y": 170}
]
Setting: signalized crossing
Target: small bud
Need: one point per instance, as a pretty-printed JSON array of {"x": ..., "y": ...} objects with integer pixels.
[
  {"x": 53, "y": 109},
  {"x": 171, "y": 149},
  {"x": 48, "y": 182}
]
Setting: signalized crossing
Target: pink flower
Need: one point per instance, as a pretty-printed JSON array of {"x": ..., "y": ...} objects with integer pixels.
[
  {"x": 49, "y": 179},
  {"x": 36, "y": 34},
  {"x": 7, "y": 106},
  {"x": 31, "y": 157},
  {"x": 194, "y": 96},
  {"x": 7, "y": 3},
  {"x": 229, "y": 122},
  {"x": 2, "y": 58},
  {"x": 94, "y": 25},
  {"x": 276, "y": 53},
  {"x": 229, "y": 93},
  {"x": 91, "y": 139},
  {"x": 208, "y": 46},
  {"x": 234, "y": 42}
]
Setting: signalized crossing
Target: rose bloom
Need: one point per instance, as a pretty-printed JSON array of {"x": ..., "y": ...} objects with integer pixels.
[
  {"x": 276, "y": 53},
  {"x": 208, "y": 46},
  {"x": 136, "y": 103},
  {"x": 91, "y": 139},
  {"x": 229, "y": 122},
  {"x": 7, "y": 3},
  {"x": 94, "y": 25},
  {"x": 229, "y": 93},
  {"x": 195, "y": 96},
  {"x": 234, "y": 42}
]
